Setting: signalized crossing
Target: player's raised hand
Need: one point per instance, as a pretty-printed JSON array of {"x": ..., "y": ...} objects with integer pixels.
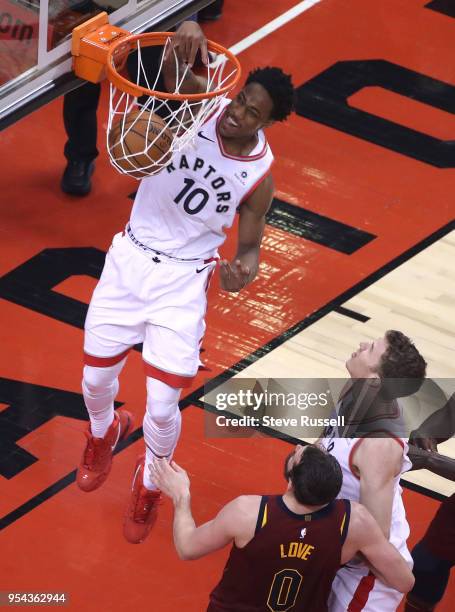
[
  {"x": 421, "y": 441},
  {"x": 235, "y": 276},
  {"x": 187, "y": 40},
  {"x": 170, "y": 478}
]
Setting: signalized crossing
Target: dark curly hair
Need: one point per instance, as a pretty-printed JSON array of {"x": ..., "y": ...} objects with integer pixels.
[
  {"x": 316, "y": 479},
  {"x": 279, "y": 87},
  {"x": 401, "y": 368}
]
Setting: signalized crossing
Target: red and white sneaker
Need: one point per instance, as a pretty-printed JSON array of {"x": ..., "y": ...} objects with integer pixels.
[
  {"x": 142, "y": 508},
  {"x": 96, "y": 460}
]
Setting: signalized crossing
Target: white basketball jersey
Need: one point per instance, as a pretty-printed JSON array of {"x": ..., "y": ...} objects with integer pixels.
[
  {"x": 185, "y": 209},
  {"x": 344, "y": 451}
]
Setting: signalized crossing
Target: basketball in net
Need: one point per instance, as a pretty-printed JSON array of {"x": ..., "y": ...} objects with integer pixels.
[
  {"x": 140, "y": 143},
  {"x": 147, "y": 125}
]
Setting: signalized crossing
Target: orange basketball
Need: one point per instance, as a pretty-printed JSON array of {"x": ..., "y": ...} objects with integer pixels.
[{"x": 138, "y": 141}]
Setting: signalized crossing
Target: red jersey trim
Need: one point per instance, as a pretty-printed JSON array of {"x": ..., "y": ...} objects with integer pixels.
[
  {"x": 244, "y": 158},
  {"x": 104, "y": 362},
  {"x": 256, "y": 184},
  {"x": 173, "y": 380},
  {"x": 360, "y": 440},
  {"x": 364, "y": 588}
]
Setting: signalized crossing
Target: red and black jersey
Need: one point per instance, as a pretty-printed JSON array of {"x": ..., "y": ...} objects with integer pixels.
[
  {"x": 290, "y": 563},
  {"x": 440, "y": 537}
]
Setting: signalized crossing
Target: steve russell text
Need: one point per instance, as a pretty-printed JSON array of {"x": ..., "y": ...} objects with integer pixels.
[{"x": 271, "y": 421}]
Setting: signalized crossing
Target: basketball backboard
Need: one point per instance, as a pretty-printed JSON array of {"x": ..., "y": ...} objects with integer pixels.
[{"x": 35, "y": 43}]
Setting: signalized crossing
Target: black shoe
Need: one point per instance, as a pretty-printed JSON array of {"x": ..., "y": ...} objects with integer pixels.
[{"x": 76, "y": 178}]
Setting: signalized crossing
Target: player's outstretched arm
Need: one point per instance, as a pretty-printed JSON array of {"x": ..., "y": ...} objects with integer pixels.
[
  {"x": 179, "y": 59},
  {"x": 365, "y": 537},
  {"x": 429, "y": 460},
  {"x": 237, "y": 274},
  {"x": 233, "y": 522}
]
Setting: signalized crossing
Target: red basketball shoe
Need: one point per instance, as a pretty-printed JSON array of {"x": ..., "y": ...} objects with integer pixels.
[
  {"x": 96, "y": 461},
  {"x": 142, "y": 508}
]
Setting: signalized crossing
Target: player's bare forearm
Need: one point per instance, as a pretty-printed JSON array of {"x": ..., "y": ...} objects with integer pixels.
[
  {"x": 249, "y": 257},
  {"x": 378, "y": 460},
  {"x": 435, "y": 462},
  {"x": 236, "y": 275},
  {"x": 441, "y": 465},
  {"x": 191, "y": 542},
  {"x": 179, "y": 58},
  {"x": 384, "y": 560},
  {"x": 177, "y": 73},
  {"x": 184, "y": 526},
  {"x": 378, "y": 500}
]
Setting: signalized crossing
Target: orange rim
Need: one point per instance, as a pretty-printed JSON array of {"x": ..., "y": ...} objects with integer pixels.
[{"x": 151, "y": 39}]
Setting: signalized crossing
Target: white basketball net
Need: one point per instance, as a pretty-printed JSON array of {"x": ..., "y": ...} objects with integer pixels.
[{"x": 183, "y": 118}]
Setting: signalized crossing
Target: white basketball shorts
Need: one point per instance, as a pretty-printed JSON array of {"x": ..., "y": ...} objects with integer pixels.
[
  {"x": 356, "y": 589},
  {"x": 142, "y": 297}
]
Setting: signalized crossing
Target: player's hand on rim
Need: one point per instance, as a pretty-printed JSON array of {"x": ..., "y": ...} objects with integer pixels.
[
  {"x": 233, "y": 276},
  {"x": 188, "y": 39}
]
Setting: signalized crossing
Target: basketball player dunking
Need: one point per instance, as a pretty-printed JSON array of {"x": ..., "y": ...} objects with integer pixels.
[
  {"x": 286, "y": 548},
  {"x": 154, "y": 282},
  {"x": 373, "y": 457}
]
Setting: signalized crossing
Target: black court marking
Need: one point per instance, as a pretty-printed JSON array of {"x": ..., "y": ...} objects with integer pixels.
[
  {"x": 352, "y": 314},
  {"x": 423, "y": 490},
  {"x": 309, "y": 225},
  {"x": 58, "y": 486},
  {"x": 446, "y": 7},
  {"x": 32, "y": 283},
  {"x": 317, "y": 228},
  {"x": 28, "y": 407},
  {"x": 325, "y": 99},
  {"x": 194, "y": 397}
]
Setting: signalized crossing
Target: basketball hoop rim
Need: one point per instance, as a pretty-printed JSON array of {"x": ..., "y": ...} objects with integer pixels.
[{"x": 159, "y": 38}]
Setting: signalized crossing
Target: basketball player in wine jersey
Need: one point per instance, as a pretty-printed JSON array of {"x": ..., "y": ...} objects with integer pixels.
[
  {"x": 373, "y": 456},
  {"x": 286, "y": 548},
  {"x": 154, "y": 282}
]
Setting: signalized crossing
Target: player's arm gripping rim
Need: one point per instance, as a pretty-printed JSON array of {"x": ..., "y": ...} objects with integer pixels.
[
  {"x": 180, "y": 56},
  {"x": 235, "y": 276},
  {"x": 235, "y": 521},
  {"x": 384, "y": 560}
]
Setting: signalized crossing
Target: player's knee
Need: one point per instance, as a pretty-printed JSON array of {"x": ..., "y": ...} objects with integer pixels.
[
  {"x": 97, "y": 381},
  {"x": 162, "y": 403},
  {"x": 161, "y": 413}
]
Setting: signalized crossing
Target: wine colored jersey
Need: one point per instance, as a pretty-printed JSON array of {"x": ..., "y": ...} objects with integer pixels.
[{"x": 290, "y": 563}]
